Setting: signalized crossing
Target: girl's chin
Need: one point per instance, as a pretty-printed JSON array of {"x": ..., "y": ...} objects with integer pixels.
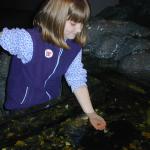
[{"x": 70, "y": 37}]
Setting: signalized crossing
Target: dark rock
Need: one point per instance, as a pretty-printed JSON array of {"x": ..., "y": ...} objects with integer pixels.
[
  {"x": 121, "y": 46},
  {"x": 117, "y": 13},
  {"x": 128, "y": 10},
  {"x": 4, "y": 67}
]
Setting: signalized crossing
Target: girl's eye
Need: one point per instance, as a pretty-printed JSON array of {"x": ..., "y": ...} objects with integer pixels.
[{"x": 73, "y": 23}]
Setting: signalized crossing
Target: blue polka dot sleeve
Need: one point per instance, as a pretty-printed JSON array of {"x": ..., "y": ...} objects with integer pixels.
[
  {"x": 17, "y": 42},
  {"x": 76, "y": 75}
]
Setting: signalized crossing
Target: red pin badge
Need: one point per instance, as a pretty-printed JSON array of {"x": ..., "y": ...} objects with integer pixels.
[{"x": 48, "y": 53}]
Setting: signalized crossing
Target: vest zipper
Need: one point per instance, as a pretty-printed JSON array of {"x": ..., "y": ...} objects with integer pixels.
[
  {"x": 26, "y": 93},
  {"x": 57, "y": 63},
  {"x": 49, "y": 96}
]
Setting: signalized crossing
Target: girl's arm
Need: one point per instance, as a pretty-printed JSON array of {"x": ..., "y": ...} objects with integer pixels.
[
  {"x": 83, "y": 98},
  {"x": 76, "y": 78},
  {"x": 17, "y": 42}
]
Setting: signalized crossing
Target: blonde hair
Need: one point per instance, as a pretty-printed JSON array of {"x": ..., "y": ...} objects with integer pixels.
[{"x": 52, "y": 17}]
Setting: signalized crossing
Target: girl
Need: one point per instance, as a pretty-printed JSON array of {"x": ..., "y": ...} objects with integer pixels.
[{"x": 43, "y": 54}]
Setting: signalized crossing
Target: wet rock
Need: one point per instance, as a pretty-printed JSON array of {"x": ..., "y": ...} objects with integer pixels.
[{"x": 121, "y": 46}]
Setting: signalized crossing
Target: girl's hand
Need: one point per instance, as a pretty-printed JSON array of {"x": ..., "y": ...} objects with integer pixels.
[{"x": 97, "y": 121}]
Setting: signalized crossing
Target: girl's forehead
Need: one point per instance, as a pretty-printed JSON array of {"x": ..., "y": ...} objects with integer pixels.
[{"x": 79, "y": 14}]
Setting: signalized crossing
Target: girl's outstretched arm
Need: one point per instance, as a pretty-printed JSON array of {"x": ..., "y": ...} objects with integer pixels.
[
  {"x": 17, "y": 42},
  {"x": 83, "y": 98},
  {"x": 76, "y": 78}
]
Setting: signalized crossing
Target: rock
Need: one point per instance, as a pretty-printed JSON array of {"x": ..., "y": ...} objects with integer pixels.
[
  {"x": 128, "y": 10},
  {"x": 4, "y": 67},
  {"x": 121, "y": 46}
]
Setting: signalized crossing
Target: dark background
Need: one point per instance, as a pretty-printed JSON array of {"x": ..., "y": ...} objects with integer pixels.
[{"x": 30, "y": 5}]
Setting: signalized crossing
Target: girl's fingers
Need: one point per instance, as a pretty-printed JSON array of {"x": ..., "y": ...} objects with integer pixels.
[
  {"x": 98, "y": 124},
  {"x": 97, "y": 121}
]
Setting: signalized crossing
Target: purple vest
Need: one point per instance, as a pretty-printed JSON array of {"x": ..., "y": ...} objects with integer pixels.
[{"x": 39, "y": 80}]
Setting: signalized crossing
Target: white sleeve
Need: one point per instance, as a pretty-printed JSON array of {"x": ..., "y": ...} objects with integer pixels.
[
  {"x": 76, "y": 75},
  {"x": 17, "y": 42}
]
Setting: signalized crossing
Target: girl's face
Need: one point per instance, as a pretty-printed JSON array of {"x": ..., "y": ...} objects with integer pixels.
[{"x": 72, "y": 29}]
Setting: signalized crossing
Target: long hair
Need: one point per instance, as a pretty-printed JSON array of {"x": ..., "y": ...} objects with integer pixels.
[{"x": 53, "y": 15}]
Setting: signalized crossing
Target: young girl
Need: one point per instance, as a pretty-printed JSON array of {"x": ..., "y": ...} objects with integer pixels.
[{"x": 45, "y": 53}]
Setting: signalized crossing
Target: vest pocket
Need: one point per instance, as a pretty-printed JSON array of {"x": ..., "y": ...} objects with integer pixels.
[{"x": 25, "y": 95}]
